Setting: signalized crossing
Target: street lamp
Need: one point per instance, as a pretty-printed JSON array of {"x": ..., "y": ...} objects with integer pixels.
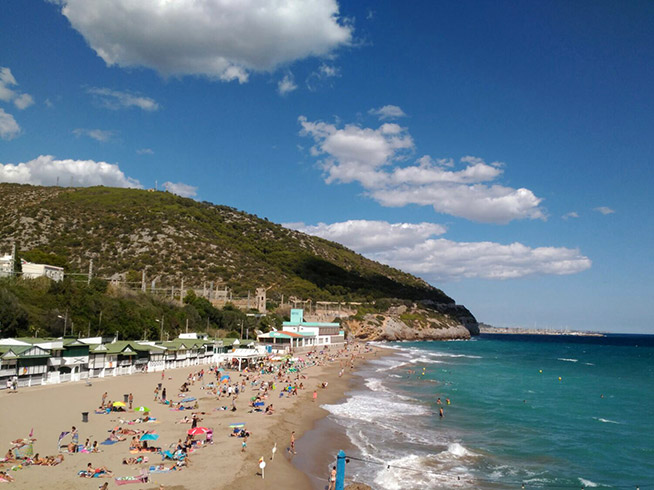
[
  {"x": 161, "y": 326},
  {"x": 65, "y": 319}
]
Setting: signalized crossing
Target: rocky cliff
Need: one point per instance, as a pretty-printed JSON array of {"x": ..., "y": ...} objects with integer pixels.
[{"x": 416, "y": 322}]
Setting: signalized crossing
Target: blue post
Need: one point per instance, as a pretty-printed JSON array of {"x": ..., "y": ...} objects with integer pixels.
[{"x": 340, "y": 470}]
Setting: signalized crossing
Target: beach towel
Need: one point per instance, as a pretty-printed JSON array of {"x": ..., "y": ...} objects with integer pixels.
[
  {"x": 108, "y": 442},
  {"x": 153, "y": 469},
  {"x": 124, "y": 480}
]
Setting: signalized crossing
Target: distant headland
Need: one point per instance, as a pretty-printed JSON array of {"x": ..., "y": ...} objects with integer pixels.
[{"x": 489, "y": 329}]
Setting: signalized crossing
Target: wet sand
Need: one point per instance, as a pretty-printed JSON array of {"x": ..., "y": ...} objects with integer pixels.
[{"x": 49, "y": 410}]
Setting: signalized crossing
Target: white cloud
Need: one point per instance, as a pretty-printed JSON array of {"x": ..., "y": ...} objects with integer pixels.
[
  {"x": 23, "y": 101},
  {"x": 145, "y": 151},
  {"x": 571, "y": 214},
  {"x": 9, "y": 128},
  {"x": 411, "y": 248},
  {"x": 7, "y": 94},
  {"x": 371, "y": 236},
  {"x": 6, "y": 80},
  {"x": 387, "y": 112},
  {"x": 322, "y": 76},
  {"x": 46, "y": 170},
  {"x": 180, "y": 189},
  {"x": 114, "y": 99},
  {"x": 96, "y": 134},
  {"x": 220, "y": 39},
  {"x": 605, "y": 210},
  {"x": 376, "y": 158},
  {"x": 286, "y": 84}
]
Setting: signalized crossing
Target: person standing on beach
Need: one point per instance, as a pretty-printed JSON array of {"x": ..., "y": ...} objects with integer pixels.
[
  {"x": 131, "y": 400},
  {"x": 163, "y": 395},
  {"x": 315, "y": 395},
  {"x": 292, "y": 448},
  {"x": 332, "y": 479},
  {"x": 156, "y": 393},
  {"x": 104, "y": 399}
]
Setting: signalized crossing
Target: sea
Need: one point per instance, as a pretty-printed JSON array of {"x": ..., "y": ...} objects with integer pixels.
[{"x": 543, "y": 411}]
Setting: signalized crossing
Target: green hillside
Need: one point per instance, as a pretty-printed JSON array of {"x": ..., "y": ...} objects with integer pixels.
[{"x": 128, "y": 231}]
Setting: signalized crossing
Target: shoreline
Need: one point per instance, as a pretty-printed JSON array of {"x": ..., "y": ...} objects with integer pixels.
[
  {"x": 304, "y": 418},
  {"x": 52, "y": 409}
]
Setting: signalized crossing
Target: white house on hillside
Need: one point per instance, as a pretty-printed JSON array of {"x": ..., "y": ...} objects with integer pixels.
[{"x": 32, "y": 271}]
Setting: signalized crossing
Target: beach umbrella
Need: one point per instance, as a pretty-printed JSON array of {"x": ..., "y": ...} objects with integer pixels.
[
  {"x": 198, "y": 431},
  {"x": 142, "y": 409},
  {"x": 118, "y": 404},
  {"x": 149, "y": 437},
  {"x": 239, "y": 425},
  {"x": 188, "y": 399}
]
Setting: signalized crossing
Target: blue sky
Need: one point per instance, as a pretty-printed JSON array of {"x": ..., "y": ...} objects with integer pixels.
[{"x": 500, "y": 150}]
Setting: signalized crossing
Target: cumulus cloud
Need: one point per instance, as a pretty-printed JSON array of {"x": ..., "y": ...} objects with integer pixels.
[
  {"x": 46, "y": 170},
  {"x": 376, "y": 159},
  {"x": 96, "y": 134},
  {"x": 114, "y": 99},
  {"x": 571, "y": 214},
  {"x": 23, "y": 101},
  {"x": 224, "y": 40},
  {"x": 605, "y": 210},
  {"x": 286, "y": 84},
  {"x": 9, "y": 128},
  {"x": 8, "y": 92},
  {"x": 412, "y": 248},
  {"x": 321, "y": 77},
  {"x": 371, "y": 236},
  {"x": 181, "y": 189},
  {"x": 387, "y": 112}
]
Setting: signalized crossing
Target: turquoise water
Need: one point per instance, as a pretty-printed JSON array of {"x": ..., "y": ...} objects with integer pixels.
[{"x": 511, "y": 420}]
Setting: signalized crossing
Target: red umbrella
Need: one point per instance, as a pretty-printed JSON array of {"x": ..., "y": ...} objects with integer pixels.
[{"x": 198, "y": 431}]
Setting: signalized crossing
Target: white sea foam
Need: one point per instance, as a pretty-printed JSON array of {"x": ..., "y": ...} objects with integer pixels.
[
  {"x": 587, "y": 483},
  {"x": 606, "y": 421},
  {"x": 371, "y": 407},
  {"x": 414, "y": 471},
  {"x": 447, "y": 354},
  {"x": 567, "y": 360},
  {"x": 425, "y": 360},
  {"x": 455, "y": 451}
]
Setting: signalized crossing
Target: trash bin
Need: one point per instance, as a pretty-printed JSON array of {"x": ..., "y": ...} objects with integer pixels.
[
  {"x": 125, "y": 398},
  {"x": 85, "y": 416}
]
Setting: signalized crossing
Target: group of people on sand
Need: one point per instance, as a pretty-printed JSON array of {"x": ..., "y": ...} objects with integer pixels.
[{"x": 262, "y": 382}]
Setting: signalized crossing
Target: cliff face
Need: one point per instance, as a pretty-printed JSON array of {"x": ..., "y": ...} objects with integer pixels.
[{"x": 417, "y": 322}]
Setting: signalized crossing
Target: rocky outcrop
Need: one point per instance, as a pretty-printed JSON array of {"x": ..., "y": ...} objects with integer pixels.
[
  {"x": 358, "y": 486},
  {"x": 438, "y": 322}
]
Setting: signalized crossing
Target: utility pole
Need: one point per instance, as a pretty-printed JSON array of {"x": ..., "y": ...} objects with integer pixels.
[
  {"x": 13, "y": 259},
  {"x": 181, "y": 293},
  {"x": 187, "y": 325},
  {"x": 90, "y": 271},
  {"x": 143, "y": 281}
]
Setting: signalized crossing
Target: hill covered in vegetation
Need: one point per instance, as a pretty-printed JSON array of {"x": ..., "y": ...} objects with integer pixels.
[{"x": 128, "y": 231}]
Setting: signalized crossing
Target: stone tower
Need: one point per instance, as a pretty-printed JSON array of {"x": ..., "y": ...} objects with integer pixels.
[{"x": 261, "y": 300}]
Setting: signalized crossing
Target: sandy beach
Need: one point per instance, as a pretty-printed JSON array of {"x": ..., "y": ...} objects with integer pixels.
[{"x": 50, "y": 410}]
